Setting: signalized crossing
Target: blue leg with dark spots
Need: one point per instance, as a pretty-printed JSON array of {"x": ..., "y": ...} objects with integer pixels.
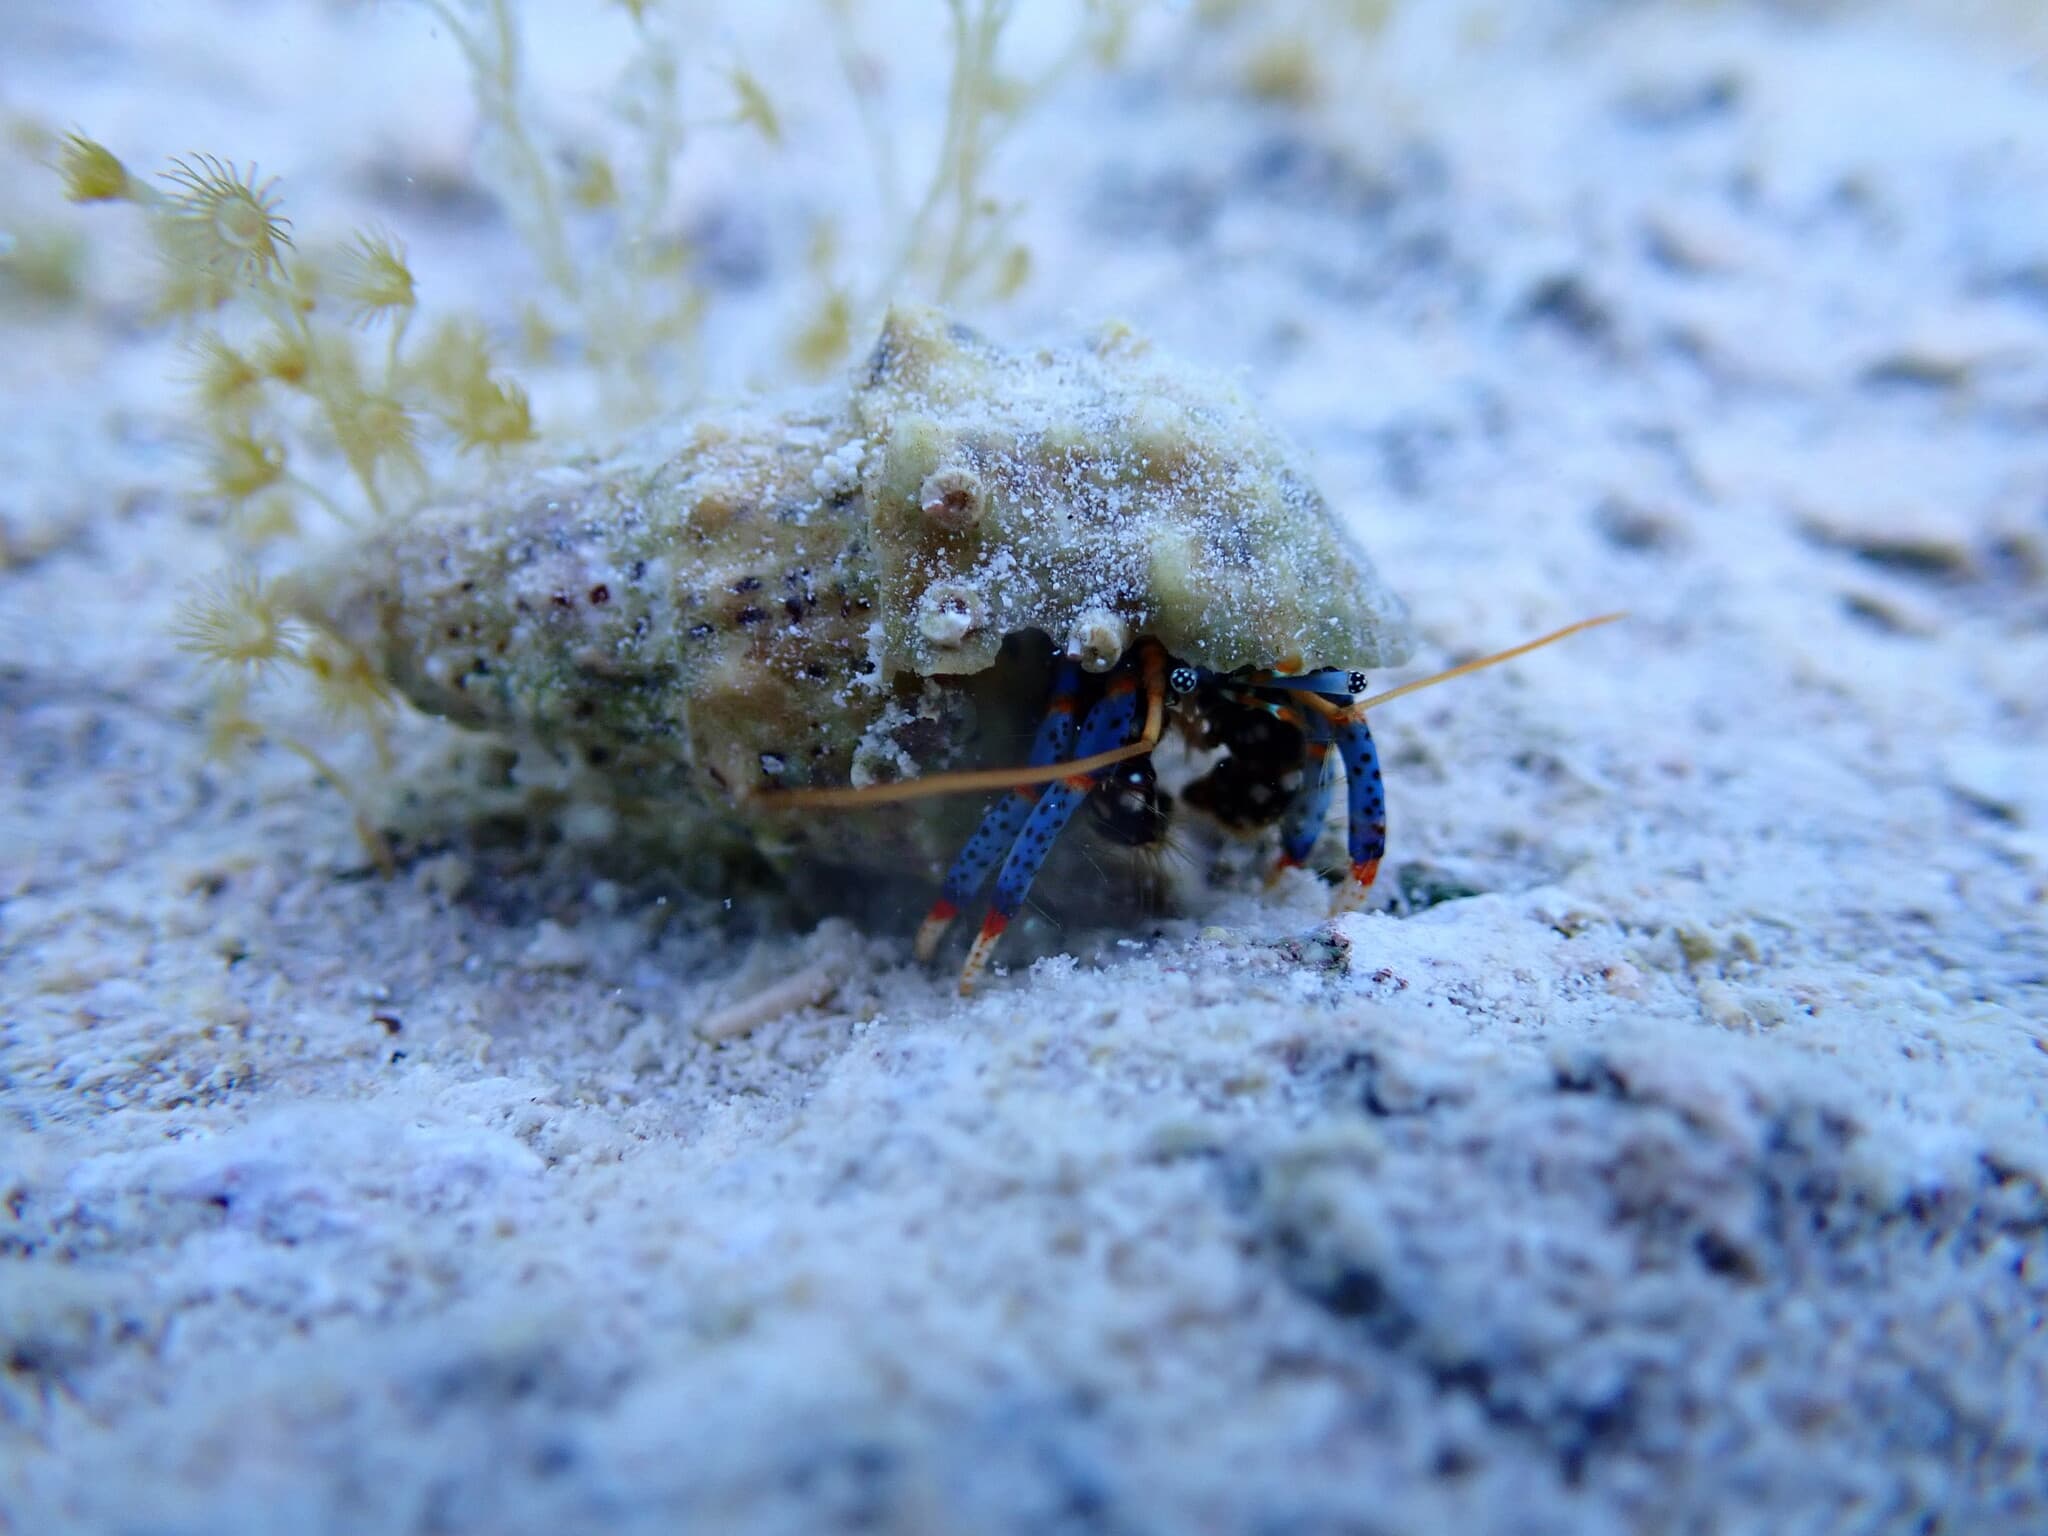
[
  {"x": 1303, "y": 822},
  {"x": 1000, "y": 825},
  {"x": 1367, "y": 798},
  {"x": 1109, "y": 725}
]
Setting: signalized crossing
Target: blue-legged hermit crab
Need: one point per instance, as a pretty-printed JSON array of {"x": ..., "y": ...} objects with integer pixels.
[{"x": 879, "y": 597}]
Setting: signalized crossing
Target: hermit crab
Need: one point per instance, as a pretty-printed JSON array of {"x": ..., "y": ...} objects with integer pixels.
[{"x": 813, "y": 621}]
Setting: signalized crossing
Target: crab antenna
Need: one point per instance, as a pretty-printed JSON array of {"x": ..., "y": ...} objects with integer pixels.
[
  {"x": 980, "y": 780},
  {"x": 1481, "y": 663}
]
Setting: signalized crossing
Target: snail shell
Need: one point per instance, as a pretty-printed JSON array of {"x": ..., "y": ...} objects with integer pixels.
[{"x": 820, "y": 594}]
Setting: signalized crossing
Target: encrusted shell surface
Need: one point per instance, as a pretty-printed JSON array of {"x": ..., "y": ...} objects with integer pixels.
[
  {"x": 817, "y": 594},
  {"x": 1108, "y": 479}
]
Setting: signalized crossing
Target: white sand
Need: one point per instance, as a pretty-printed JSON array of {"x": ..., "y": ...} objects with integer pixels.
[{"x": 1688, "y": 1176}]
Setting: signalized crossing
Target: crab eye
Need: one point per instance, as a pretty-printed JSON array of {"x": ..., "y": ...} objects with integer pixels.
[
  {"x": 1183, "y": 679},
  {"x": 1355, "y": 681}
]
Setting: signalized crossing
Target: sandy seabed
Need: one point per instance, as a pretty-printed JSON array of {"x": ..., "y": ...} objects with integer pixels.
[{"x": 1665, "y": 1152}]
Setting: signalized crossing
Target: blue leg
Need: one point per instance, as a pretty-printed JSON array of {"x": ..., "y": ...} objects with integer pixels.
[
  {"x": 1108, "y": 725},
  {"x": 1310, "y": 807},
  {"x": 999, "y": 827},
  {"x": 1367, "y": 797}
]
